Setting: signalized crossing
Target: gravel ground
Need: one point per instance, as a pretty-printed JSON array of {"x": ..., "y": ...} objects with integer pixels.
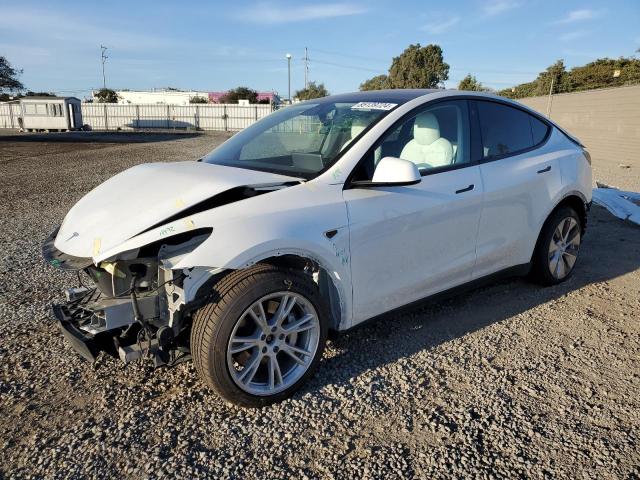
[{"x": 512, "y": 380}]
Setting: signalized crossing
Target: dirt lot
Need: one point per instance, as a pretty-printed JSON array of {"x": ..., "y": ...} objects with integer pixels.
[{"x": 508, "y": 381}]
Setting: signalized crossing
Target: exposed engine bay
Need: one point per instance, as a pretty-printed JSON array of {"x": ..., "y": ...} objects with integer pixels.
[{"x": 132, "y": 308}]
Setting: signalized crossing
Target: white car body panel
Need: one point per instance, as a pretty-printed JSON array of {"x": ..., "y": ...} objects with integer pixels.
[
  {"x": 518, "y": 200},
  {"x": 408, "y": 242},
  {"x": 142, "y": 196},
  {"x": 393, "y": 245}
]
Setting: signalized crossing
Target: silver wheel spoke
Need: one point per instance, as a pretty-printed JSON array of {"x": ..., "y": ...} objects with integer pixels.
[
  {"x": 559, "y": 271},
  {"x": 249, "y": 371},
  {"x": 566, "y": 227},
  {"x": 299, "y": 325},
  {"x": 298, "y": 360},
  {"x": 553, "y": 263},
  {"x": 242, "y": 344},
  {"x": 275, "y": 375},
  {"x": 295, "y": 349},
  {"x": 569, "y": 260},
  {"x": 557, "y": 235},
  {"x": 572, "y": 250},
  {"x": 573, "y": 234},
  {"x": 260, "y": 317},
  {"x": 284, "y": 309}
]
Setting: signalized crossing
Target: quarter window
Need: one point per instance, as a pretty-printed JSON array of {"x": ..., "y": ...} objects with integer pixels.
[{"x": 538, "y": 130}]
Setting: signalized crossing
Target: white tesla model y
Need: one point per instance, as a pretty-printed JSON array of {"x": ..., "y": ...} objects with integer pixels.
[{"x": 320, "y": 216}]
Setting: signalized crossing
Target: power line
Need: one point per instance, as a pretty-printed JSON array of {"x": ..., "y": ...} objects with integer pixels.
[
  {"x": 348, "y": 55},
  {"x": 342, "y": 65},
  {"x": 467, "y": 69}
]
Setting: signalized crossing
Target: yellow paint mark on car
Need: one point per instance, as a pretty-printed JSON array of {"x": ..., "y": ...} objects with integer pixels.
[{"x": 97, "y": 242}]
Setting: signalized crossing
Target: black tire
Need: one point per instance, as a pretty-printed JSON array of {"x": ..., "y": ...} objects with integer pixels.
[
  {"x": 214, "y": 322},
  {"x": 541, "y": 272}
]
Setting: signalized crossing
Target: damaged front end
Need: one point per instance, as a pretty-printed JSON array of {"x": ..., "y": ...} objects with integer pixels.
[{"x": 135, "y": 305}]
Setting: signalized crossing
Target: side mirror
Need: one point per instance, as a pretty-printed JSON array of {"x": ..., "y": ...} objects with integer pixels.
[{"x": 391, "y": 172}]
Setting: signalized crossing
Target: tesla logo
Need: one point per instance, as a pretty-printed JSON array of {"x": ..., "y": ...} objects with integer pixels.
[{"x": 73, "y": 235}]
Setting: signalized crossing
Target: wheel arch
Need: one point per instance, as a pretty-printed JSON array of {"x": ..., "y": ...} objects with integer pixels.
[
  {"x": 327, "y": 284},
  {"x": 330, "y": 287},
  {"x": 577, "y": 202}
]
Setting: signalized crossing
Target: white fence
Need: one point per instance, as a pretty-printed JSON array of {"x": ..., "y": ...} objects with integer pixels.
[{"x": 109, "y": 116}]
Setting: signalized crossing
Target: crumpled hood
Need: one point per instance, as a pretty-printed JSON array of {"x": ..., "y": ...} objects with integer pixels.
[{"x": 143, "y": 196}]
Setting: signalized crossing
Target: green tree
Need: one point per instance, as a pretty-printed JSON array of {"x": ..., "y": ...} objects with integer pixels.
[
  {"x": 106, "y": 95},
  {"x": 379, "y": 82},
  {"x": 197, "y": 99},
  {"x": 39, "y": 94},
  {"x": 419, "y": 67},
  {"x": 557, "y": 74},
  {"x": 602, "y": 73},
  {"x": 606, "y": 72},
  {"x": 471, "y": 83},
  {"x": 313, "y": 90},
  {"x": 9, "y": 77},
  {"x": 240, "y": 93}
]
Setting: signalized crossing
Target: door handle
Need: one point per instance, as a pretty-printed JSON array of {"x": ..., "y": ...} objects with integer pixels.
[
  {"x": 468, "y": 189},
  {"x": 545, "y": 169}
]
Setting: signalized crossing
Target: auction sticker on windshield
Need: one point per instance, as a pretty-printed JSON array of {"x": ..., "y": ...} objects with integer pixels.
[{"x": 373, "y": 106}]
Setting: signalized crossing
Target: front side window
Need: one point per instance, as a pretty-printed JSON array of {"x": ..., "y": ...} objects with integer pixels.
[
  {"x": 299, "y": 140},
  {"x": 434, "y": 138},
  {"x": 506, "y": 130}
]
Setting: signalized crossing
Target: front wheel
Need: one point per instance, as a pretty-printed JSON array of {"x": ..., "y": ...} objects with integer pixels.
[
  {"x": 558, "y": 247},
  {"x": 261, "y": 336}
]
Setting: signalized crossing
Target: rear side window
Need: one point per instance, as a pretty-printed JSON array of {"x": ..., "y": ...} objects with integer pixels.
[
  {"x": 506, "y": 130},
  {"x": 538, "y": 130}
]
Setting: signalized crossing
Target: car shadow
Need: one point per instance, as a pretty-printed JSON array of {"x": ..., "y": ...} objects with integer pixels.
[
  {"x": 100, "y": 137},
  {"x": 611, "y": 248}
]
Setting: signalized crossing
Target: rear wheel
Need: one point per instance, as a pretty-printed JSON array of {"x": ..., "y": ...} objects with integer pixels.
[
  {"x": 261, "y": 336},
  {"x": 558, "y": 247}
]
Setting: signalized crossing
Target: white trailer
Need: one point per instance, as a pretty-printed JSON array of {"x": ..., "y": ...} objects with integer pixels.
[{"x": 51, "y": 113}]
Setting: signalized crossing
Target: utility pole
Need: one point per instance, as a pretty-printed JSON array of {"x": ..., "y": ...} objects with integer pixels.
[
  {"x": 306, "y": 68},
  {"x": 550, "y": 96},
  {"x": 103, "y": 57},
  {"x": 289, "y": 69}
]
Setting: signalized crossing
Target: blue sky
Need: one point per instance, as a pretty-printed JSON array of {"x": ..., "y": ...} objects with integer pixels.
[{"x": 219, "y": 45}]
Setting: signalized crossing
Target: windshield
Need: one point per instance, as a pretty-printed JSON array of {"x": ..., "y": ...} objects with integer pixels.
[{"x": 299, "y": 140}]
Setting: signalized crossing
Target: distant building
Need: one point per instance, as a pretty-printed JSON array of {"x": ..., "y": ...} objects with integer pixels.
[
  {"x": 178, "y": 97},
  {"x": 158, "y": 97},
  {"x": 50, "y": 113},
  {"x": 263, "y": 97}
]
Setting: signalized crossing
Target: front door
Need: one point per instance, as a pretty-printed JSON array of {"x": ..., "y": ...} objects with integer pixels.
[{"x": 408, "y": 242}]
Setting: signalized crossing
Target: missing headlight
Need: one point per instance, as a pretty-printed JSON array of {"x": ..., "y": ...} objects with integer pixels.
[{"x": 114, "y": 278}]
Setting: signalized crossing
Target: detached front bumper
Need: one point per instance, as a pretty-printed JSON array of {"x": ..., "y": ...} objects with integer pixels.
[
  {"x": 87, "y": 345},
  {"x": 69, "y": 317}
]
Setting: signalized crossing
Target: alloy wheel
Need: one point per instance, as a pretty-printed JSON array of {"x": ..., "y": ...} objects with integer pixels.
[
  {"x": 273, "y": 343},
  {"x": 563, "y": 248}
]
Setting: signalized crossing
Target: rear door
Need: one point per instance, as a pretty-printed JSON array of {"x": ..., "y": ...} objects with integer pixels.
[{"x": 520, "y": 180}]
